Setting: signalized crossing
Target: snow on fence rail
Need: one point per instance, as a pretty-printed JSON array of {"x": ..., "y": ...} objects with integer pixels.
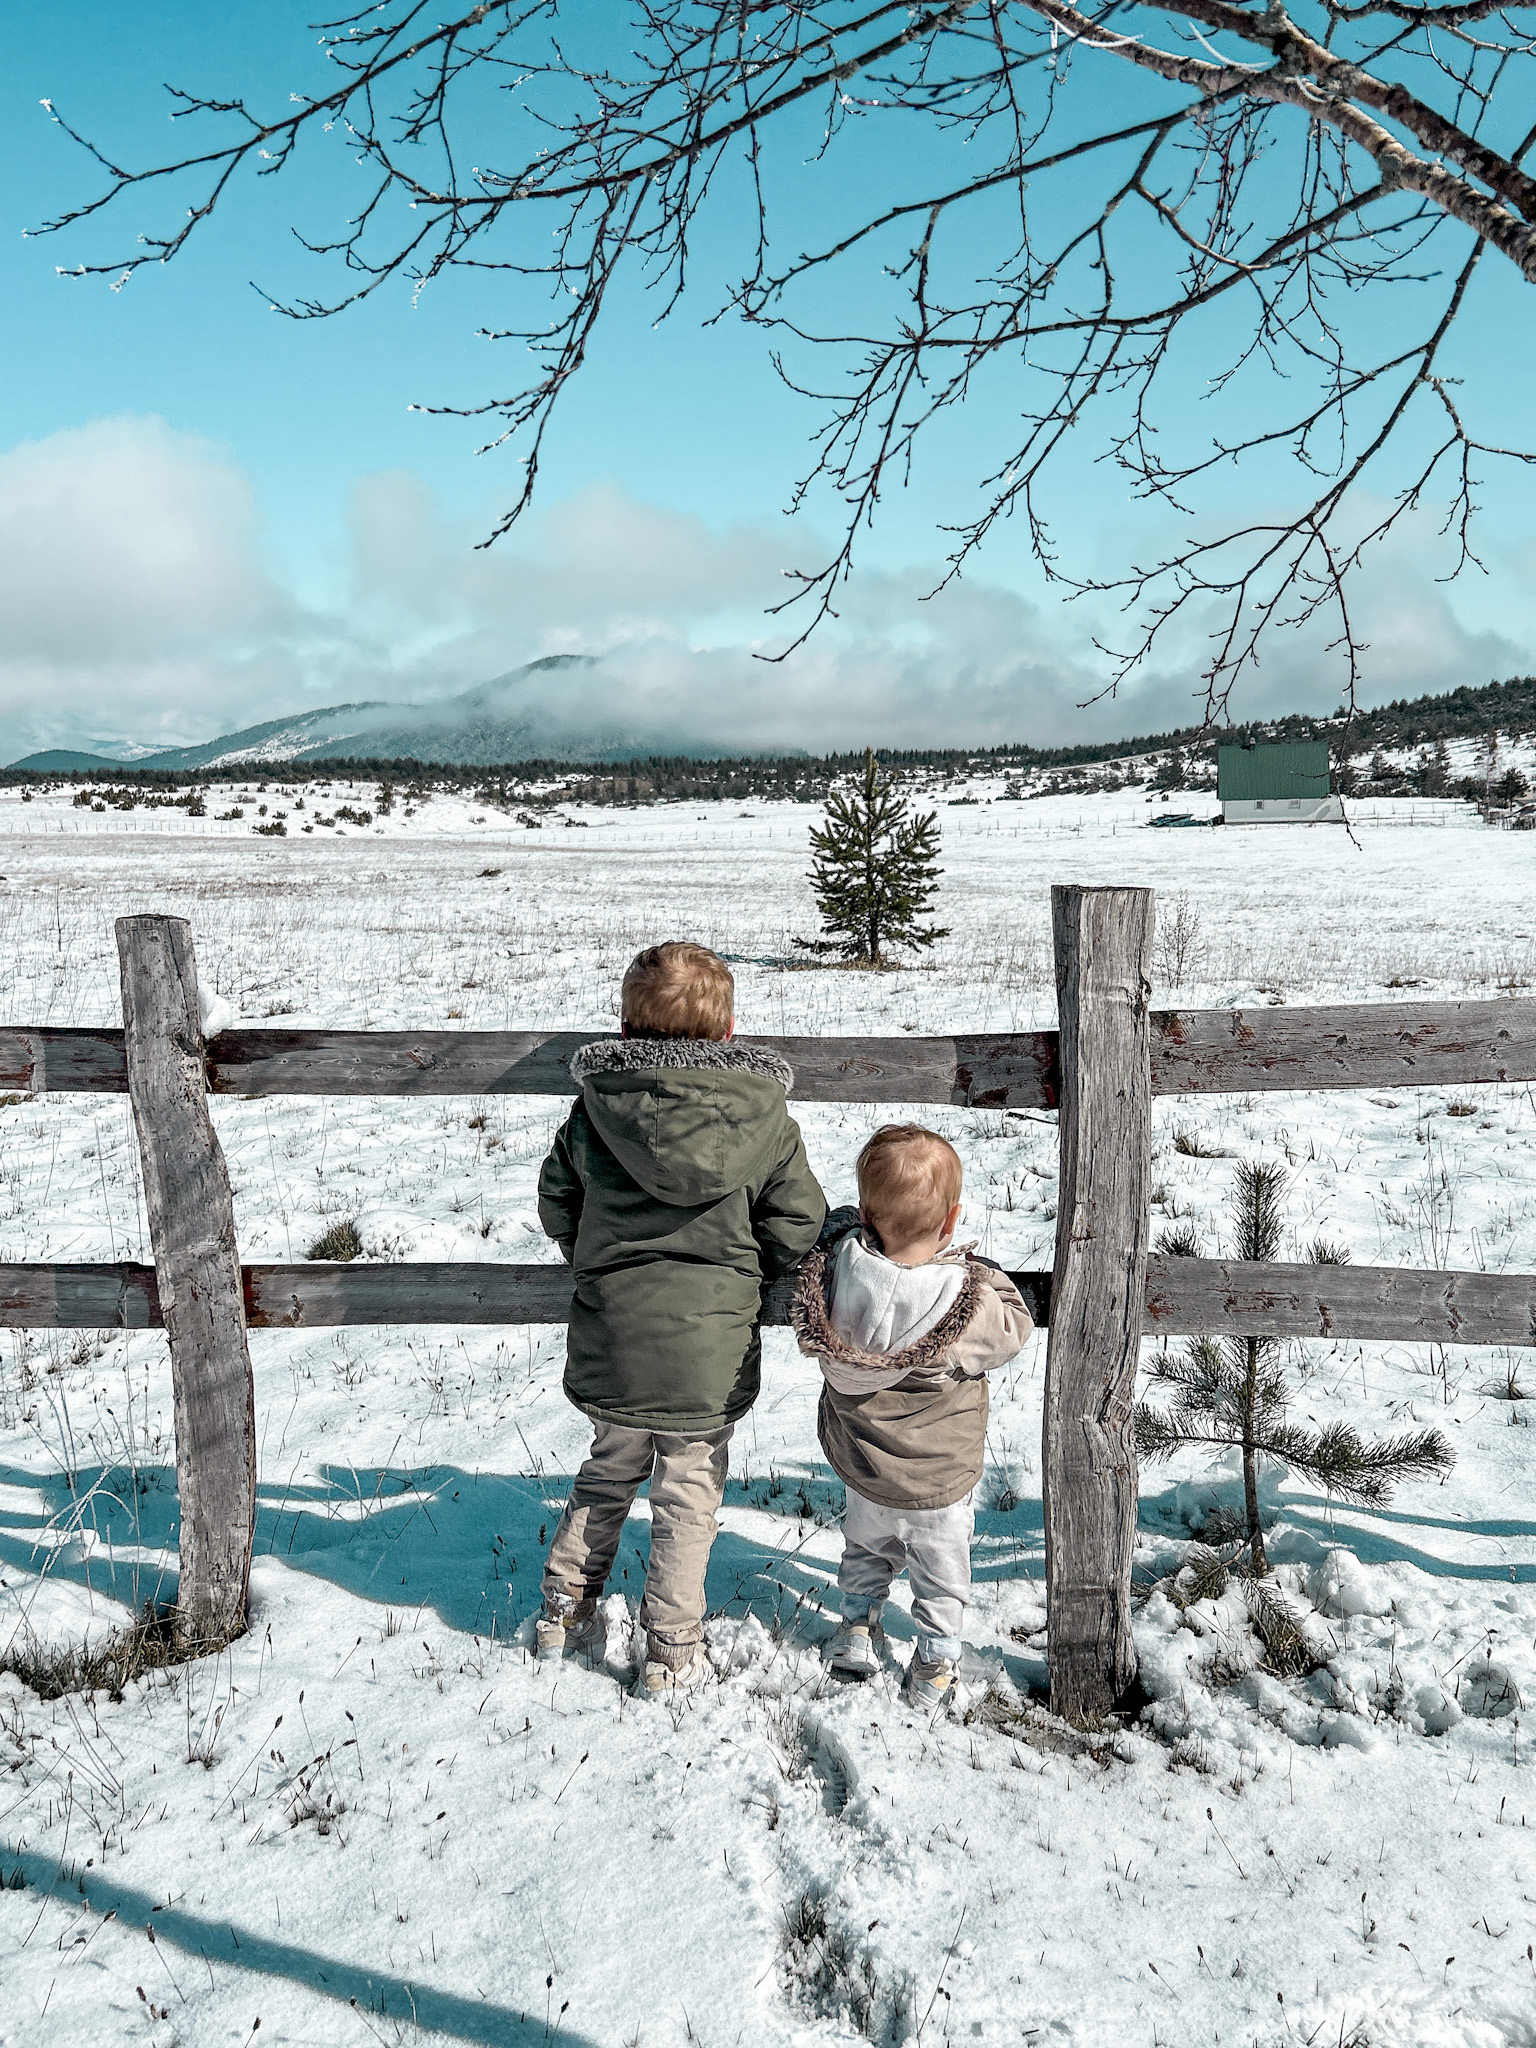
[{"x": 1111, "y": 1054}]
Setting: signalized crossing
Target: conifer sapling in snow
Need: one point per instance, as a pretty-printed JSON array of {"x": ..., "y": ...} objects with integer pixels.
[
  {"x": 875, "y": 871},
  {"x": 1231, "y": 1393}
]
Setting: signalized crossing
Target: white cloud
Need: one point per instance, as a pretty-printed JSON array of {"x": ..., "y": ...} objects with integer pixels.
[
  {"x": 131, "y": 591},
  {"x": 677, "y": 614},
  {"x": 135, "y": 603}
]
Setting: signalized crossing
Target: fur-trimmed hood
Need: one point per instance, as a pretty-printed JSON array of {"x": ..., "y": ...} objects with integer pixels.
[
  {"x": 849, "y": 1365},
  {"x": 692, "y": 1120},
  {"x": 634, "y": 1055}
]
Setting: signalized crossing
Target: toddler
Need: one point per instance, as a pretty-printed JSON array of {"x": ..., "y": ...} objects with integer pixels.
[{"x": 906, "y": 1329}]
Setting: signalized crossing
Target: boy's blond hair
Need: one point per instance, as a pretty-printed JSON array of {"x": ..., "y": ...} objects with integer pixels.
[
  {"x": 909, "y": 1180},
  {"x": 679, "y": 990}
]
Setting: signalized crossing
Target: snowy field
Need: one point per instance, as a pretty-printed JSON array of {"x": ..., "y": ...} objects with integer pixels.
[{"x": 375, "y": 1819}]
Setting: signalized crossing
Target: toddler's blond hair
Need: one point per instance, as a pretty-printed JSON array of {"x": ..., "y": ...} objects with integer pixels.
[
  {"x": 909, "y": 1180},
  {"x": 679, "y": 990}
]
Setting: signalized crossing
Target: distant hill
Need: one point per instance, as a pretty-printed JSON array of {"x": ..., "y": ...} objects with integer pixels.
[
  {"x": 521, "y": 713},
  {"x": 303, "y": 737},
  {"x": 533, "y": 716},
  {"x": 518, "y": 714},
  {"x": 1465, "y": 713},
  {"x": 1461, "y": 714},
  {"x": 62, "y": 761}
]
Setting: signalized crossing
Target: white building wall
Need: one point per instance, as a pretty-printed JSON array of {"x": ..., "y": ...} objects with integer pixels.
[{"x": 1294, "y": 810}]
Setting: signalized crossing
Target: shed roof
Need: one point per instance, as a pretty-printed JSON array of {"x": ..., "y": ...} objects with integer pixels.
[{"x": 1276, "y": 771}]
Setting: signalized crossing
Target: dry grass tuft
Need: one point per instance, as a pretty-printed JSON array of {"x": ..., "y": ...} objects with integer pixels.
[
  {"x": 339, "y": 1241},
  {"x": 1287, "y": 1652},
  {"x": 153, "y": 1642}
]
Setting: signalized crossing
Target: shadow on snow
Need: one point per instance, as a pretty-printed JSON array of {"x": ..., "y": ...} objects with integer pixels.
[
  {"x": 372, "y": 1991},
  {"x": 469, "y": 1545}
]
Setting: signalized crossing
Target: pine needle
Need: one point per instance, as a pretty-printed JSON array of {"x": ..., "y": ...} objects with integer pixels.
[{"x": 1286, "y": 1650}]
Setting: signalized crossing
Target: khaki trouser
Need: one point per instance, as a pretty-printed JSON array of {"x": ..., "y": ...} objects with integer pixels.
[{"x": 687, "y": 1478}]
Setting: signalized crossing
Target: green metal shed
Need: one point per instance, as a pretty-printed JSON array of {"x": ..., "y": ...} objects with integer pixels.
[
  {"x": 1277, "y": 784},
  {"x": 1273, "y": 773}
]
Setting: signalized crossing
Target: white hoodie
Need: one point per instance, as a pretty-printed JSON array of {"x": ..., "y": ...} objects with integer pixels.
[{"x": 877, "y": 1305}]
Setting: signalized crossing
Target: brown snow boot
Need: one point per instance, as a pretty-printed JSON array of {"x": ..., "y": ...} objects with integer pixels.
[
  {"x": 575, "y": 1628},
  {"x": 672, "y": 1668}
]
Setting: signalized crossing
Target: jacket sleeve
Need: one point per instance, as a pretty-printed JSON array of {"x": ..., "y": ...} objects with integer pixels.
[
  {"x": 789, "y": 1210},
  {"x": 561, "y": 1190},
  {"x": 840, "y": 1223},
  {"x": 1000, "y": 1327}
]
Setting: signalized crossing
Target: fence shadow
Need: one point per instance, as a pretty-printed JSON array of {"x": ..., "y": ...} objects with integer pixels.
[
  {"x": 350, "y": 1984},
  {"x": 108, "y": 1529},
  {"x": 469, "y": 1545}
]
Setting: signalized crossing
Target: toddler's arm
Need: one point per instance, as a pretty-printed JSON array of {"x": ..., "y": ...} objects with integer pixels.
[
  {"x": 561, "y": 1193},
  {"x": 1000, "y": 1327}
]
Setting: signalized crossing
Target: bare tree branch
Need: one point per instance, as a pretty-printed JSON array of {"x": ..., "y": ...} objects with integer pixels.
[{"x": 1137, "y": 170}]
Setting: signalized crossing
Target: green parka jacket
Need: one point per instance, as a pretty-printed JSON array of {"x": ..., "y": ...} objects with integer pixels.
[{"x": 677, "y": 1187}]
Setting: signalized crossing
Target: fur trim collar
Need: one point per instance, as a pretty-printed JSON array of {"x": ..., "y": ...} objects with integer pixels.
[
  {"x": 636, "y": 1055},
  {"x": 812, "y": 1323}
]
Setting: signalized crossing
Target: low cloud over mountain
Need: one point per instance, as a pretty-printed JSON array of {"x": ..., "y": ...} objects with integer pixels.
[{"x": 139, "y": 610}]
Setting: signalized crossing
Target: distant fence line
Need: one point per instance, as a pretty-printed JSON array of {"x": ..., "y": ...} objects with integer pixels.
[{"x": 1110, "y": 1056}]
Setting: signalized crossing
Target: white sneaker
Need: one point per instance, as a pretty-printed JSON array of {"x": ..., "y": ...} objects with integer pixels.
[
  {"x": 660, "y": 1681},
  {"x": 930, "y": 1685},
  {"x": 578, "y": 1631},
  {"x": 854, "y": 1651}
]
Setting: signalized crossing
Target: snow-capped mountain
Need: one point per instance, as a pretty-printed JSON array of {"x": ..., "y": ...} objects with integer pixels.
[{"x": 530, "y": 711}]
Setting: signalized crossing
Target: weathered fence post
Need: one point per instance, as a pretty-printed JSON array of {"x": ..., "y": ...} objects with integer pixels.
[
  {"x": 1103, "y": 941},
  {"x": 197, "y": 1272}
]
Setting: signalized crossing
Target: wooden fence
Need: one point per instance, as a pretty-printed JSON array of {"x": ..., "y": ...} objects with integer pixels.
[{"x": 1111, "y": 1054}]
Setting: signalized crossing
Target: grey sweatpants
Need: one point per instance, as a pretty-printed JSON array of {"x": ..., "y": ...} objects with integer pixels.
[
  {"x": 687, "y": 1476},
  {"x": 934, "y": 1544}
]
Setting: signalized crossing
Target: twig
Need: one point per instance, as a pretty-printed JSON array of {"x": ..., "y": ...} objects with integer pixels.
[{"x": 939, "y": 1987}]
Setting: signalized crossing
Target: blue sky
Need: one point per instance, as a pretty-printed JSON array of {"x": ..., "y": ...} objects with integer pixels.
[{"x": 210, "y": 514}]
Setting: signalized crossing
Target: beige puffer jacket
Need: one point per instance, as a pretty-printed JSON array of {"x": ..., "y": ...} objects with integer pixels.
[{"x": 906, "y": 1427}]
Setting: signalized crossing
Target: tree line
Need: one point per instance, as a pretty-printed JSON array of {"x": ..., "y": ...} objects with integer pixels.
[{"x": 1507, "y": 708}]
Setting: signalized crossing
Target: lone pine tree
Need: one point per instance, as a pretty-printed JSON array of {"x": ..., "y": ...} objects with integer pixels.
[
  {"x": 1231, "y": 1393},
  {"x": 874, "y": 872}
]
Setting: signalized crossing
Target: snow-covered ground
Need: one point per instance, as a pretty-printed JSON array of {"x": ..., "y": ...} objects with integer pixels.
[{"x": 375, "y": 1818}]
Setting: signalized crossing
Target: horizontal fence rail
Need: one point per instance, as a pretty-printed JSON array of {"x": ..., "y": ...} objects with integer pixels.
[
  {"x": 1194, "y": 1052},
  {"x": 1185, "y": 1297},
  {"x": 1117, "y": 1053}
]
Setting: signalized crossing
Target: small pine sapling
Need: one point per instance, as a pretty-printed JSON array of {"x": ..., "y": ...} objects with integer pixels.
[
  {"x": 1231, "y": 1392},
  {"x": 874, "y": 871},
  {"x": 1182, "y": 1241}
]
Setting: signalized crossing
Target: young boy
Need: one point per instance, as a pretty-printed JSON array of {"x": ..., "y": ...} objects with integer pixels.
[
  {"x": 676, "y": 1188},
  {"x": 906, "y": 1330}
]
